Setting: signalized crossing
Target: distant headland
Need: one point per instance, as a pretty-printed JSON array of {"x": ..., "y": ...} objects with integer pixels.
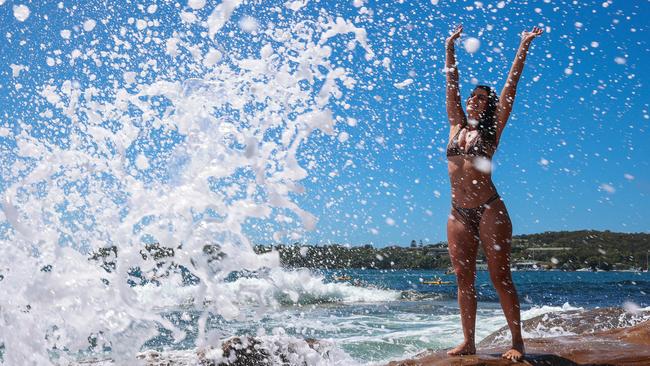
[{"x": 552, "y": 250}]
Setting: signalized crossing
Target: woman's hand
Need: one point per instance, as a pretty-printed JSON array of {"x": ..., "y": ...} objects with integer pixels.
[
  {"x": 527, "y": 37},
  {"x": 454, "y": 36}
]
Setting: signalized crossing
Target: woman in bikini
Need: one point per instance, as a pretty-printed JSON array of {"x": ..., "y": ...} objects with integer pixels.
[{"x": 478, "y": 214}]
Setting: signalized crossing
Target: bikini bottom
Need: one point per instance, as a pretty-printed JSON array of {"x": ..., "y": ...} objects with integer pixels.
[{"x": 472, "y": 216}]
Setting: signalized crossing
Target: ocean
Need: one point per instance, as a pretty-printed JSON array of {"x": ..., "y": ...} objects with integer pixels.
[
  {"x": 209, "y": 127},
  {"x": 389, "y": 315}
]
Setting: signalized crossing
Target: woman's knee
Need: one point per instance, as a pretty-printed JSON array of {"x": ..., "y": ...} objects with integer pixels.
[{"x": 465, "y": 278}]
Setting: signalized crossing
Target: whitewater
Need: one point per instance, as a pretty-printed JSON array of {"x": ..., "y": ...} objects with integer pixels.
[
  {"x": 160, "y": 158},
  {"x": 132, "y": 188}
]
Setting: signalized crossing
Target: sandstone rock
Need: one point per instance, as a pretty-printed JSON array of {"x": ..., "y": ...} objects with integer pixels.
[
  {"x": 621, "y": 347},
  {"x": 572, "y": 322}
]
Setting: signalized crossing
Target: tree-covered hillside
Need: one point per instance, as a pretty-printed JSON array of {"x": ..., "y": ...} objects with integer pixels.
[{"x": 569, "y": 250}]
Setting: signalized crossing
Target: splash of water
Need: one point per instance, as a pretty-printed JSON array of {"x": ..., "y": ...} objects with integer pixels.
[{"x": 176, "y": 162}]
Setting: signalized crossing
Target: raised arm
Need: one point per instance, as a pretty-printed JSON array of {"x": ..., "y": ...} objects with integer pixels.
[
  {"x": 509, "y": 91},
  {"x": 454, "y": 109}
]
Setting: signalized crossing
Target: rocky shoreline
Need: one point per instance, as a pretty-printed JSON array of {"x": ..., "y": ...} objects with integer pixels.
[{"x": 598, "y": 337}]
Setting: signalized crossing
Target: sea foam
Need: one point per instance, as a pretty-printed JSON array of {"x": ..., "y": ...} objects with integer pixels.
[{"x": 187, "y": 143}]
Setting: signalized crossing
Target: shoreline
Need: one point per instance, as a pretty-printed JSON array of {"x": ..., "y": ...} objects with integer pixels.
[
  {"x": 622, "y": 347},
  {"x": 603, "y": 336},
  {"x": 581, "y": 250},
  {"x": 598, "y": 339}
]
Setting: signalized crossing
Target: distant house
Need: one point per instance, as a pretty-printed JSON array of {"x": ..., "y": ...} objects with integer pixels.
[
  {"x": 535, "y": 250},
  {"x": 526, "y": 266},
  {"x": 439, "y": 250}
]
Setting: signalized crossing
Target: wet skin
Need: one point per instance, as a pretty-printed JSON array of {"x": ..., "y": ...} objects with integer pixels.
[{"x": 472, "y": 187}]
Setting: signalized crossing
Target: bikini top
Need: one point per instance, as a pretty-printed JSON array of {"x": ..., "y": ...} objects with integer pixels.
[{"x": 479, "y": 147}]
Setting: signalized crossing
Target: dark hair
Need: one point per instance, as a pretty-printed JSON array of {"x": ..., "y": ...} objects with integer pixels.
[{"x": 487, "y": 125}]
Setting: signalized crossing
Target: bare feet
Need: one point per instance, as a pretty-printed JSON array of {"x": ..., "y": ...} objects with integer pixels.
[
  {"x": 516, "y": 353},
  {"x": 465, "y": 348}
]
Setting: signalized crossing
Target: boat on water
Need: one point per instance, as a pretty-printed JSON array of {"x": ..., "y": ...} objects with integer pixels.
[
  {"x": 342, "y": 278},
  {"x": 436, "y": 281},
  {"x": 526, "y": 266}
]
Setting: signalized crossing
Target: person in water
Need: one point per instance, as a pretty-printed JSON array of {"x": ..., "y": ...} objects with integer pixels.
[{"x": 478, "y": 214}]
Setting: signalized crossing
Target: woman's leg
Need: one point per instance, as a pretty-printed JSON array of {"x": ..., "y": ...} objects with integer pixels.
[
  {"x": 463, "y": 245},
  {"x": 495, "y": 232}
]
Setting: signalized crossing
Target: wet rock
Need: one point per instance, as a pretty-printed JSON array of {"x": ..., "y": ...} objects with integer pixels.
[
  {"x": 249, "y": 351},
  {"x": 572, "y": 322},
  {"x": 244, "y": 351},
  {"x": 412, "y": 295},
  {"x": 629, "y": 346}
]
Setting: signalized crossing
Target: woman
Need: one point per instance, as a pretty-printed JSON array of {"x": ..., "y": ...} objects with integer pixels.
[{"x": 478, "y": 215}]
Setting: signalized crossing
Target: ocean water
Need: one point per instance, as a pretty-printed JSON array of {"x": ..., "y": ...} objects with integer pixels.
[
  {"x": 388, "y": 315},
  {"x": 200, "y": 125}
]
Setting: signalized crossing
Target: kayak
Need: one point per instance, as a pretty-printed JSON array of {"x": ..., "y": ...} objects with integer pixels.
[{"x": 437, "y": 282}]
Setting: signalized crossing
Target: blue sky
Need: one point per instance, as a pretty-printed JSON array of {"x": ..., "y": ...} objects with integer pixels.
[{"x": 573, "y": 156}]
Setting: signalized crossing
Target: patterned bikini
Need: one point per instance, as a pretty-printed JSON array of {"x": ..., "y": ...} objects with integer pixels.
[{"x": 480, "y": 148}]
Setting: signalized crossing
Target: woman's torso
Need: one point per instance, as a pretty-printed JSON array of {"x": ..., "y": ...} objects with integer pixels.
[{"x": 469, "y": 162}]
